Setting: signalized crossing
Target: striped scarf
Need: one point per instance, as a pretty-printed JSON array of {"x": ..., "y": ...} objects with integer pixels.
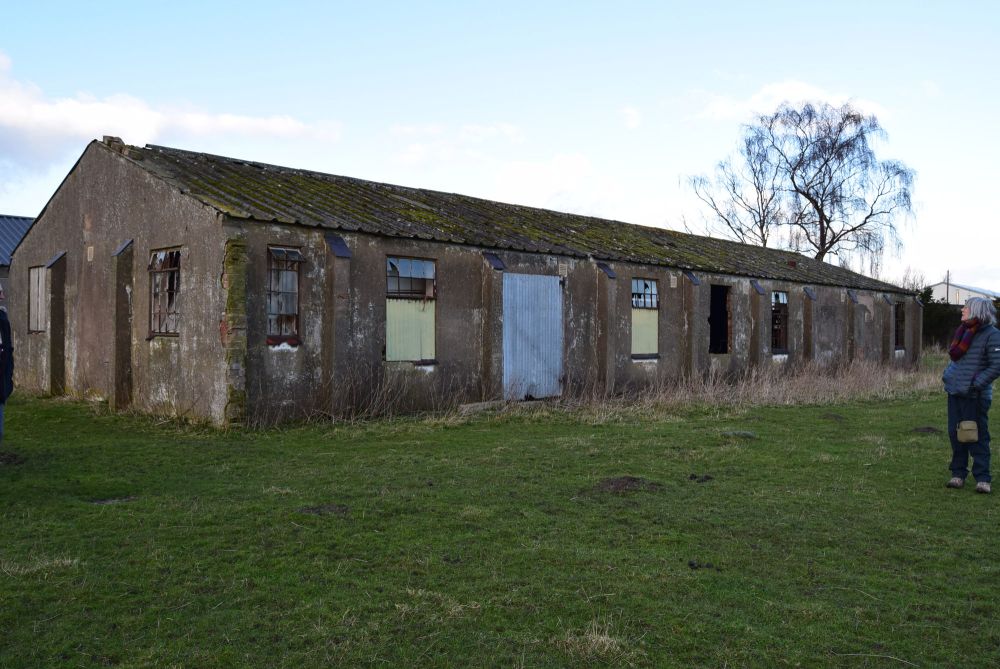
[{"x": 963, "y": 338}]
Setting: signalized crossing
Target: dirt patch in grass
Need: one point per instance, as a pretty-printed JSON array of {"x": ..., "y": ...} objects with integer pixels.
[
  {"x": 326, "y": 510},
  {"x": 704, "y": 478},
  {"x": 927, "y": 429},
  {"x": 9, "y": 458},
  {"x": 624, "y": 484},
  {"x": 836, "y": 417}
]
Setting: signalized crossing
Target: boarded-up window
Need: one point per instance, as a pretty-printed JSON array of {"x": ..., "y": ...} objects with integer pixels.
[
  {"x": 409, "y": 309},
  {"x": 283, "y": 295},
  {"x": 779, "y": 322},
  {"x": 899, "y": 318},
  {"x": 645, "y": 318},
  {"x": 164, "y": 292},
  {"x": 37, "y": 313}
]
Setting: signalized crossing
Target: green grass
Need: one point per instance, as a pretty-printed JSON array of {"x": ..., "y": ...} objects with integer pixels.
[{"x": 490, "y": 542}]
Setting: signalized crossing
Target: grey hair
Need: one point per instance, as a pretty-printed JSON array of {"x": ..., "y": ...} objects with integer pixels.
[{"x": 983, "y": 309}]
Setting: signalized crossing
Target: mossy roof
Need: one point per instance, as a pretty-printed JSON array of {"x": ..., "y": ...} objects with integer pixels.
[{"x": 256, "y": 191}]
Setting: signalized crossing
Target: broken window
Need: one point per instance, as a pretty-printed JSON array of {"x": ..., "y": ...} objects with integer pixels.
[
  {"x": 164, "y": 292},
  {"x": 899, "y": 317},
  {"x": 283, "y": 295},
  {"x": 779, "y": 322},
  {"x": 37, "y": 315},
  {"x": 718, "y": 320},
  {"x": 409, "y": 309},
  {"x": 645, "y": 318}
]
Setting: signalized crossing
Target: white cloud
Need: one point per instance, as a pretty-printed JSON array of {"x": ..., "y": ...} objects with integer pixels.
[
  {"x": 34, "y": 128},
  {"x": 766, "y": 99},
  {"x": 632, "y": 117}
]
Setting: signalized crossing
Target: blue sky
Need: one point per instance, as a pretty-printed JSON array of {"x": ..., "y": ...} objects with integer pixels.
[{"x": 591, "y": 107}]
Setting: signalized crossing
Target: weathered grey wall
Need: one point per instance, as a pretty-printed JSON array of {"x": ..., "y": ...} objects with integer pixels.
[
  {"x": 220, "y": 367},
  {"x": 103, "y": 202}
]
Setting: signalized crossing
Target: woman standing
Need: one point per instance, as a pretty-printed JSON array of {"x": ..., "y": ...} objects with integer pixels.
[{"x": 968, "y": 380}]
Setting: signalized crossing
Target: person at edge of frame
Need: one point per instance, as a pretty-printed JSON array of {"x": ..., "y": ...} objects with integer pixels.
[
  {"x": 6, "y": 363},
  {"x": 968, "y": 380}
]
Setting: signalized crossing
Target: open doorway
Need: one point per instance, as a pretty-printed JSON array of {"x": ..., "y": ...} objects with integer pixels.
[{"x": 718, "y": 320}]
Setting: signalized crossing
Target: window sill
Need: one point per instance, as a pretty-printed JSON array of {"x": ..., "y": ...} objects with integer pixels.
[
  {"x": 165, "y": 335},
  {"x": 779, "y": 357},
  {"x": 281, "y": 340},
  {"x": 415, "y": 363},
  {"x": 645, "y": 357}
]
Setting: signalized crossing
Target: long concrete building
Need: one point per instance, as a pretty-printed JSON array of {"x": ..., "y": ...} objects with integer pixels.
[{"x": 190, "y": 284}]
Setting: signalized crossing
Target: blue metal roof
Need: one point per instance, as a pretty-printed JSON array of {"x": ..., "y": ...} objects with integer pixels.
[{"x": 12, "y": 229}]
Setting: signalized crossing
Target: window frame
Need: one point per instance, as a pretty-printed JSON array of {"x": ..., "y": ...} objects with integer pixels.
[
  {"x": 36, "y": 295},
  {"x": 398, "y": 293},
  {"x": 172, "y": 307},
  {"x": 645, "y": 297},
  {"x": 293, "y": 256},
  {"x": 725, "y": 310},
  {"x": 427, "y": 293},
  {"x": 899, "y": 326},
  {"x": 779, "y": 310}
]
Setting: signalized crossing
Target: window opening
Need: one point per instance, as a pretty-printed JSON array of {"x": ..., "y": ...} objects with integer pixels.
[
  {"x": 409, "y": 310},
  {"x": 36, "y": 299},
  {"x": 718, "y": 320},
  {"x": 779, "y": 322},
  {"x": 645, "y": 318},
  {"x": 164, "y": 292},
  {"x": 410, "y": 278},
  {"x": 899, "y": 316},
  {"x": 283, "y": 295}
]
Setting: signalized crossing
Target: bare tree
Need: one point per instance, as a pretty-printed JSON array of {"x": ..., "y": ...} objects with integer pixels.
[
  {"x": 808, "y": 178},
  {"x": 848, "y": 200},
  {"x": 746, "y": 196}
]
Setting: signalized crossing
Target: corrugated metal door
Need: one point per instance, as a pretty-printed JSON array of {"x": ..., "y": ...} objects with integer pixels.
[{"x": 532, "y": 336}]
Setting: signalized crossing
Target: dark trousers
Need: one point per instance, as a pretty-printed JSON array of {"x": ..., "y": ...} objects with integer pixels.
[{"x": 970, "y": 408}]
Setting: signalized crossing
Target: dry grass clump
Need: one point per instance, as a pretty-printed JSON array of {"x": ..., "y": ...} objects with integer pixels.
[{"x": 810, "y": 383}]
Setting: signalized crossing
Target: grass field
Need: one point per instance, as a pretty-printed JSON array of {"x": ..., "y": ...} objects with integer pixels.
[{"x": 702, "y": 537}]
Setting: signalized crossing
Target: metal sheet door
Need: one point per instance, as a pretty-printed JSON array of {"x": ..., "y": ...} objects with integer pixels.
[{"x": 532, "y": 336}]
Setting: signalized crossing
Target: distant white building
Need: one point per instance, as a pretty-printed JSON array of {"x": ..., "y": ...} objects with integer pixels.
[{"x": 955, "y": 293}]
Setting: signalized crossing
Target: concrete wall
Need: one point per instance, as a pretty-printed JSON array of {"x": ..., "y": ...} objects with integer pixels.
[
  {"x": 104, "y": 202},
  {"x": 222, "y": 368}
]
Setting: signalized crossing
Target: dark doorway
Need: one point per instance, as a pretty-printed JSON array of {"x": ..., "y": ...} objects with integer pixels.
[{"x": 718, "y": 320}]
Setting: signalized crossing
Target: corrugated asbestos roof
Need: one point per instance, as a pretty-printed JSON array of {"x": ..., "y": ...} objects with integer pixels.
[
  {"x": 249, "y": 190},
  {"x": 12, "y": 229}
]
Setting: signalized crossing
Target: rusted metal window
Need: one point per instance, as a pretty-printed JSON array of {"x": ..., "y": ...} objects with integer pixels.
[
  {"x": 718, "y": 320},
  {"x": 283, "y": 266},
  {"x": 37, "y": 315},
  {"x": 644, "y": 294},
  {"x": 410, "y": 278},
  {"x": 410, "y": 309},
  {"x": 645, "y": 318},
  {"x": 164, "y": 292},
  {"x": 779, "y": 322},
  {"x": 899, "y": 317}
]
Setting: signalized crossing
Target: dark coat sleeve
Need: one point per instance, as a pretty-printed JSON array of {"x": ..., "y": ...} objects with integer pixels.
[
  {"x": 6, "y": 358},
  {"x": 991, "y": 363}
]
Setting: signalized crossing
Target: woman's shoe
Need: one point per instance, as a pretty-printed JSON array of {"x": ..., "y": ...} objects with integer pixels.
[
  {"x": 984, "y": 487},
  {"x": 955, "y": 482}
]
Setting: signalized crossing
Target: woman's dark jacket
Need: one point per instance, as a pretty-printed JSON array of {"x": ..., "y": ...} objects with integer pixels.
[
  {"x": 975, "y": 371},
  {"x": 6, "y": 359}
]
